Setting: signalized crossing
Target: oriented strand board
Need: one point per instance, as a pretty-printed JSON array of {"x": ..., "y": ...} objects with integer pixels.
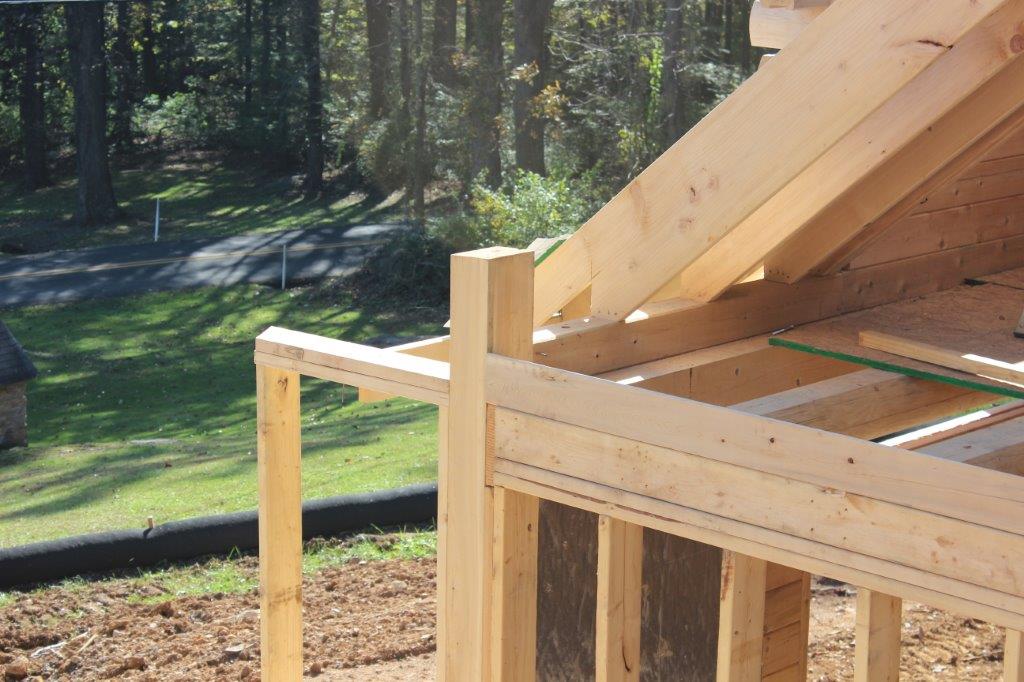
[{"x": 970, "y": 319}]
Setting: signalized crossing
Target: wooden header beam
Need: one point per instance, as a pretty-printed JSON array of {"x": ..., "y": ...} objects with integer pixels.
[{"x": 902, "y": 523}]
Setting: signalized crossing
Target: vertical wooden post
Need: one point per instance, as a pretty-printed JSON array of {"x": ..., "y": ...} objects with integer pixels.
[
  {"x": 619, "y": 584},
  {"x": 1013, "y": 657},
  {"x": 741, "y": 618},
  {"x": 787, "y": 618},
  {"x": 278, "y": 449},
  {"x": 879, "y": 624},
  {"x": 488, "y": 621}
]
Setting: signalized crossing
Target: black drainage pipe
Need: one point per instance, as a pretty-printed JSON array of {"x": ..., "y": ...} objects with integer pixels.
[{"x": 177, "y": 540}]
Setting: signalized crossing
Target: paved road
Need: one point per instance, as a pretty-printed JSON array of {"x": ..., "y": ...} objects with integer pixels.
[{"x": 118, "y": 270}]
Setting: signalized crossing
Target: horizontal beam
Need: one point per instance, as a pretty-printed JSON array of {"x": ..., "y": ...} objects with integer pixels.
[
  {"x": 354, "y": 364},
  {"x": 774, "y": 26},
  {"x": 974, "y": 495}
]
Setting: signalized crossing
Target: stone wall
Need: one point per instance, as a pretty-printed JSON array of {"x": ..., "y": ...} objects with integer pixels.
[{"x": 13, "y": 415}]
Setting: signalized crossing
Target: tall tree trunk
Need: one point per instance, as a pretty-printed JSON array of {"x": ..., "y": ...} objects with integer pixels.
[
  {"x": 280, "y": 80},
  {"x": 484, "y": 106},
  {"x": 468, "y": 26},
  {"x": 124, "y": 62},
  {"x": 247, "y": 58},
  {"x": 266, "y": 42},
  {"x": 419, "y": 174},
  {"x": 149, "y": 67},
  {"x": 314, "y": 181},
  {"x": 30, "y": 106},
  {"x": 530, "y": 62},
  {"x": 96, "y": 203},
  {"x": 444, "y": 40},
  {"x": 378, "y": 49},
  {"x": 672, "y": 100}
]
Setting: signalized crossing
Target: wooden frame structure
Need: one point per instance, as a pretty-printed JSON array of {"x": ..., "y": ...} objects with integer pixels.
[{"x": 635, "y": 377}]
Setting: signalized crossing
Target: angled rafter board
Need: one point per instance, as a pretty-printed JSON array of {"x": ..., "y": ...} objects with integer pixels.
[
  {"x": 937, "y": 156},
  {"x": 696, "y": 193},
  {"x": 731, "y": 163},
  {"x": 942, "y": 112},
  {"x": 970, "y": 319}
]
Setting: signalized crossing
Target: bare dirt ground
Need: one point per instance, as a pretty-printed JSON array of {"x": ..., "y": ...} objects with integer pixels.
[{"x": 372, "y": 621}]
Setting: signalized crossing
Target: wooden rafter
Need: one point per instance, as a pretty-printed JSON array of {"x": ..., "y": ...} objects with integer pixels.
[{"x": 732, "y": 162}]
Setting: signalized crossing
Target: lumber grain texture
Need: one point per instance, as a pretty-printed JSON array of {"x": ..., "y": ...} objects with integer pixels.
[
  {"x": 644, "y": 235},
  {"x": 279, "y": 457},
  {"x": 877, "y": 644}
]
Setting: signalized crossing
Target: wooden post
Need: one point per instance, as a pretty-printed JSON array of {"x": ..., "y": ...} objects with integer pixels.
[
  {"x": 619, "y": 583},
  {"x": 489, "y": 622},
  {"x": 1013, "y": 657},
  {"x": 741, "y": 619},
  {"x": 879, "y": 623},
  {"x": 787, "y": 619},
  {"x": 279, "y": 452}
]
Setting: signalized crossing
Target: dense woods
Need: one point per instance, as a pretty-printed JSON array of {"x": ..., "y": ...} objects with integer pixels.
[{"x": 533, "y": 109}]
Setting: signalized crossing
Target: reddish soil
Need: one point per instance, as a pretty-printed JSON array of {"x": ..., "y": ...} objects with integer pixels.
[{"x": 374, "y": 621}]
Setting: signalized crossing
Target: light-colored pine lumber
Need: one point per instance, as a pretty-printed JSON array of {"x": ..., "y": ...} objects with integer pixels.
[
  {"x": 877, "y": 644},
  {"x": 813, "y": 558},
  {"x": 774, "y": 27},
  {"x": 994, "y": 444},
  {"x": 741, "y": 618},
  {"x": 796, "y": 4},
  {"x": 856, "y": 228},
  {"x": 433, "y": 349},
  {"x": 279, "y": 456},
  {"x": 916, "y": 235},
  {"x": 1013, "y": 657},
  {"x": 619, "y": 583},
  {"x": 490, "y": 309},
  {"x": 646, "y": 233},
  {"x": 867, "y": 404},
  {"x": 929, "y": 543},
  {"x": 958, "y": 359},
  {"x": 917, "y": 481},
  {"x": 319, "y": 356},
  {"x": 513, "y": 637},
  {"x": 945, "y": 113}
]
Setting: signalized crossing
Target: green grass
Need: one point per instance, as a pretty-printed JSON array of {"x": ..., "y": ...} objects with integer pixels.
[
  {"x": 221, "y": 197},
  {"x": 239, "y": 574},
  {"x": 145, "y": 406}
]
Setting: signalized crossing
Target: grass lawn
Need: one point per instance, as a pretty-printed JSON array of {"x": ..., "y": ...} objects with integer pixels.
[
  {"x": 198, "y": 197},
  {"x": 146, "y": 406}
]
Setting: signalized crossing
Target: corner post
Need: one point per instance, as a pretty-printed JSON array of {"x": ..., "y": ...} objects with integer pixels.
[
  {"x": 279, "y": 453},
  {"x": 487, "y": 551}
]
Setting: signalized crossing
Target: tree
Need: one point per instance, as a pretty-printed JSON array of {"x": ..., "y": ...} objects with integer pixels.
[
  {"x": 672, "y": 104},
  {"x": 419, "y": 156},
  {"x": 124, "y": 65},
  {"x": 530, "y": 69},
  {"x": 484, "y": 106},
  {"x": 150, "y": 78},
  {"x": 30, "y": 105},
  {"x": 444, "y": 41},
  {"x": 246, "y": 54},
  {"x": 96, "y": 203},
  {"x": 313, "y": 183},
  {"x": 378, "y": 50}
]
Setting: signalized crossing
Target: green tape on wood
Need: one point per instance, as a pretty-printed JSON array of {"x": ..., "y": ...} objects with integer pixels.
[{"x": 899, "y": 369}]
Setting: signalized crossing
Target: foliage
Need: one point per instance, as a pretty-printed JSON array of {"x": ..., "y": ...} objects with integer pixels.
[{"x": 530, "y": 206}]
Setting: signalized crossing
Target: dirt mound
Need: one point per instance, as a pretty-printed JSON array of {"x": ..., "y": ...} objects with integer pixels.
[
  {"x": 356, "y": 614},
  {"x": 374, "y": 621}
]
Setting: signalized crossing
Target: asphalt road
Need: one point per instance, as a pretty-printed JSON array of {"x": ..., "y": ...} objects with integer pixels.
[{"x": 62, "y": 276}]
